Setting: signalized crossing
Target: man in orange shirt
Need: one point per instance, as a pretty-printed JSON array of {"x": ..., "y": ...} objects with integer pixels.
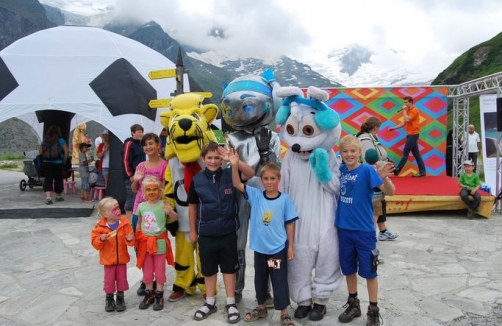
[{"x": 410, "y": 124}]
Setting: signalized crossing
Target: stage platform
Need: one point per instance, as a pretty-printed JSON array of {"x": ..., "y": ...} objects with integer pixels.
[{"x": 431, "y": 194}]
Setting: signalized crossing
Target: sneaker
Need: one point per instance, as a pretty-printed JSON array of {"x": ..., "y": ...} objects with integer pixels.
[
  {"x": 147, "y": 300},
  {"x": 109, "y": 303},
  {"x": 59, "y": 198},
  {"x": 387, "y": 235},
  {"x": 270, "y": 301},
  {"x": 120, "y": 302},
  {"x": 302, "y": 311},
  {"x": 470, "y": 213},
  {"x": 353, "y": 310},
  {"x": 176, "y": 295},
  {"x": 159, "y": 300},
  {"x": 318, "y": 312},
  {"x": 373, "y": 316},
  {"x": 396, "y": 172},
  {"x": 418, "y": 175},
  {"x": 48, "y": 201}
]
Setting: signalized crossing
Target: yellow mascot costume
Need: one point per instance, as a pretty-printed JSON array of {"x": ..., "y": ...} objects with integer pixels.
[{"x": 188, "y": 122}]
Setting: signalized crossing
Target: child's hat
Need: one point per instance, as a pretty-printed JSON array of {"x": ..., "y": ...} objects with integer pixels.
[{"x": 468, "y": 162}]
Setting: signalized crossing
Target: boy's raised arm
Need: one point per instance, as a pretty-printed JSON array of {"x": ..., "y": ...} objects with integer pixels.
[{"x": 233, "y": 157}]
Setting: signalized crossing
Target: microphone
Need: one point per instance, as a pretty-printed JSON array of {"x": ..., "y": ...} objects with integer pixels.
[{"x": 401, "y": 109}]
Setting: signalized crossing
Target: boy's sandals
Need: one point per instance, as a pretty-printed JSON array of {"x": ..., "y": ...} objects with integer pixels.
[
  {"x": 286, "y": 320},
  {"x": 256, "y": 314},
  {"x": 203, "y": 314},
  {"x": 233, "y": 317}
]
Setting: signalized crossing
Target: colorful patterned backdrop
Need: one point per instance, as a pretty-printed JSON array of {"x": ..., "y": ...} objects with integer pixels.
[{"x": 355, "y": 105}]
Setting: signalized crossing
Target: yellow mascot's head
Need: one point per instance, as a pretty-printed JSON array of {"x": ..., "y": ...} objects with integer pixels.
[{"x": 188, "y": 123}]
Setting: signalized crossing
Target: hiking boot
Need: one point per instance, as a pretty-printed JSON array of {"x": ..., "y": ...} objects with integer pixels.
[
  {"x": 176, "y": 295},
  {"x": 120, "y": 302},
  {"x": 318, "y": 312},
  {"x": 141, "y": 289},
  {"x": 302, "y": 311},
  {"x": 48, "y": 201},
  {"x": 373, "y": 316},
  {"x": 387, "y": 235},
  {"x": 159, "y": 300},
  {"x": 353, "y": 310},
  {"x": 270, "y": 301},
  {"x": 109, "y": 303},
  {"x": 147, "y": 300},
  {"x": 59, "y": 198}
]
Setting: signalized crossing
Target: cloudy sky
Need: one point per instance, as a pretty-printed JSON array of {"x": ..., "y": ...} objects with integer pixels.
[{"x": 427, "y": 33}]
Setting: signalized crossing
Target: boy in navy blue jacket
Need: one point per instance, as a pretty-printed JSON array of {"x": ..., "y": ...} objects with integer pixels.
[{"x": 213, "y": 215}]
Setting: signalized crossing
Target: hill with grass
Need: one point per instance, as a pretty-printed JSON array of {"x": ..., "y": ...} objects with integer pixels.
[{"x": 479, "y": 61}]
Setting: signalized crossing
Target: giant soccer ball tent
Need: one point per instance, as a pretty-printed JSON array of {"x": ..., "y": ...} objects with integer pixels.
[{"x": 68, "y": 75}]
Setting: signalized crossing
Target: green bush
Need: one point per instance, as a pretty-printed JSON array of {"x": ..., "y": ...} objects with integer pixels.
[
  {"x": 8, "y": 166},
  {"x": 11, "y": 156}
]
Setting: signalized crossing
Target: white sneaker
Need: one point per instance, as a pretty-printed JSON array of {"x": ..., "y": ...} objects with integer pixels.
[{"x": 387, "y": 235}]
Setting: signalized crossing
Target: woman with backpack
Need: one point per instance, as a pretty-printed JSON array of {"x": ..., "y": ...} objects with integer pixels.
[
  {"x": 369, "y": 140},
  {"x": 54, "y": 152}
]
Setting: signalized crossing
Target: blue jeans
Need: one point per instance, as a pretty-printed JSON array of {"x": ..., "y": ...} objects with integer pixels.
[
  {"x": 472, "y": 204},
  {"x": 412, "y": 146}
]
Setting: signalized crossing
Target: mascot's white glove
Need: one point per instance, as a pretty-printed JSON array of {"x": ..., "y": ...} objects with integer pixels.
[{"x": 319, "y": 162}]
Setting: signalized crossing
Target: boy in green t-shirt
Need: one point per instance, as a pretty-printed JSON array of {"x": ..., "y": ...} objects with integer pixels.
[{"x": 470, "y": 183}]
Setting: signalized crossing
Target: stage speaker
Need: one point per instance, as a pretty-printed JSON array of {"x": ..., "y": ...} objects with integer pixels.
[{"x": 499, "y": 113}]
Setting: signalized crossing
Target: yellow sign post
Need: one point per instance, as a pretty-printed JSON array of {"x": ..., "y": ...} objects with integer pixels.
[{"x": 164, "y": 73}]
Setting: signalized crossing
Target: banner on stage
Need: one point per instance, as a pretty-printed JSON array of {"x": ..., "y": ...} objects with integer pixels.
[{"x": 489, "y": 136}]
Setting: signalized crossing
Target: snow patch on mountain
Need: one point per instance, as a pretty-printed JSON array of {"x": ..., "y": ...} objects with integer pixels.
[{"x": 356, "y": 66}]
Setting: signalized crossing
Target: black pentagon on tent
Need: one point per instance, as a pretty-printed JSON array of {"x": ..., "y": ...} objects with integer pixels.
[
  {"x": 7, "y": 81},
  {"x": 123, "y": 90}
]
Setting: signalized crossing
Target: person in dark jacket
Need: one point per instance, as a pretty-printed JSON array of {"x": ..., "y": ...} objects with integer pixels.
[
  {"x": 214, "y": 221},
  {"x": 132, "y": 155},
  {"x": 53, "y": 152}
]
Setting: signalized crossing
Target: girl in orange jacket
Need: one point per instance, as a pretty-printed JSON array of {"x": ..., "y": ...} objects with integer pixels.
[{"x": 111, "y": 235}]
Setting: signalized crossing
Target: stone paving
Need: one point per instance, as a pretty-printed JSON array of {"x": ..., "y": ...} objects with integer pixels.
[{"x": 443, "y": 270}]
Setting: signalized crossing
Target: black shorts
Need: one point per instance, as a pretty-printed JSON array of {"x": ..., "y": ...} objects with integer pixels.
[{"x": 219, "y": 251}]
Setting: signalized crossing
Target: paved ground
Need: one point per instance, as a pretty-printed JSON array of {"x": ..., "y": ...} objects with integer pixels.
[{"x": 443, "y": 270}]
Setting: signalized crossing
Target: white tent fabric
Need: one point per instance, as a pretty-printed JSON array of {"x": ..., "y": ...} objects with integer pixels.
[{"x": 54, "y": 67}]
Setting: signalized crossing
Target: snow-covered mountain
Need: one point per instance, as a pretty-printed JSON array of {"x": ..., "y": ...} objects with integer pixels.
[{"x": 355, "y": 66}]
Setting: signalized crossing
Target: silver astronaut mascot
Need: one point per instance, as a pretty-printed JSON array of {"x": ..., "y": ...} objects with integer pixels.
[{"x": 248, "y": 105}]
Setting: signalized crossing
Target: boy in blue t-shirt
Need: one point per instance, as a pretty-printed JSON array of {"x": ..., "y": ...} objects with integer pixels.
[
  {"x": 272, "y": 231},
  {"x": 356, "y": 226}
]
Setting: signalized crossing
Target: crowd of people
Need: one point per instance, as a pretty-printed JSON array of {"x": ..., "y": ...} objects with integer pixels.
[{"x": 149, "y": 218}]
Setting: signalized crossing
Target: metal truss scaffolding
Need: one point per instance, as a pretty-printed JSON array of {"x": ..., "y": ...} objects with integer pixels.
[{"x": 460, "y": 94}]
